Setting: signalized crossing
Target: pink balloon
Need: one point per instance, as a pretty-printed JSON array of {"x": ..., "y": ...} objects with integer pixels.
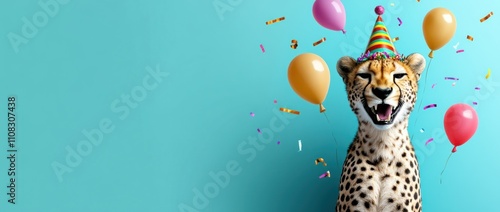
[
  {"x": 330, "y": 14},
  {"x": 460, "y": 124}
]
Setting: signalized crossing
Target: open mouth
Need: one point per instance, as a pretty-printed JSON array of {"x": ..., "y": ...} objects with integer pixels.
[{"x": 382, "y": 114}]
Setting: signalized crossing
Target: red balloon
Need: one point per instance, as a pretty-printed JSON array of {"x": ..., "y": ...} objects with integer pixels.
[{"x": 460, "y": 124}]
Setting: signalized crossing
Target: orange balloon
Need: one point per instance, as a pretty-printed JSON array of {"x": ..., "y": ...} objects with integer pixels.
[
  {"x": 439, "y": 27},
  {"x": 309, "y": 76}
]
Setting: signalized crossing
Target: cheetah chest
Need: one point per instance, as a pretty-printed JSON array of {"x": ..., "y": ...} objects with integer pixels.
[{"x": 380, "y": 175}]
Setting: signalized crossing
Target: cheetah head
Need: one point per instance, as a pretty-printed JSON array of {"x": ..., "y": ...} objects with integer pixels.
[{"x": 382, "y": 92}]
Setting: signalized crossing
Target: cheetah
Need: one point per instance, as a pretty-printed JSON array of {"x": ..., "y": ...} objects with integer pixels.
[{"x": 381, "y": 172}]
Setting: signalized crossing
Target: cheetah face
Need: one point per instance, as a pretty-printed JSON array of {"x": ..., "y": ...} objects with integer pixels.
[{"x": 382, "y": 92}]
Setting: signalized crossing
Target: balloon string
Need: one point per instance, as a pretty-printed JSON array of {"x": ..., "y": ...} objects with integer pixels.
[
  {"x": 336, "y": 143},
  {"x": 425, "y": 86},
  {"x": 427, "y": 72},
  {"x": 441, "y": 179},
  {"x": 327, "y": 119},
  {"x": 420, "y": 104}
]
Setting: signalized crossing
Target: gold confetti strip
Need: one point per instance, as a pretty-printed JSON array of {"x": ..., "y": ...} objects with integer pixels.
[
  {"x": 286, "y": 110},
  {"x": 320, "y": 41},
  {"x": 275, "y": 20},
  {"x": 470, "y": 38},
  {"x": 488, "y": 74},
  {"x": 395, "y": 39},
  {"x": 320, "y": 160},
  {"x": 486, "y": 17},
  {"x": 295, "y": 44}
]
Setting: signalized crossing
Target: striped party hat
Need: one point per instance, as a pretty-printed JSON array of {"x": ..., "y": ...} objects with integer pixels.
[{"x": 380, "y": 45}]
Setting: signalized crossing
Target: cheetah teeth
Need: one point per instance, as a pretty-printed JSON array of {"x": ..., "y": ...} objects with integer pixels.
[
  {"x": 374, "y": 109},
  {"x": 387, "y": 115}
]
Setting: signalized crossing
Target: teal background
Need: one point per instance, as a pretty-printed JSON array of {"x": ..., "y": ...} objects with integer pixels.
[{"x": 90, "y": 53}]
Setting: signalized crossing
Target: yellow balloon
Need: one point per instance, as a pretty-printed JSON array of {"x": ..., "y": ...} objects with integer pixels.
[
  {"x": 439, "y": 27},
  {"x": 309, "y": 76}
]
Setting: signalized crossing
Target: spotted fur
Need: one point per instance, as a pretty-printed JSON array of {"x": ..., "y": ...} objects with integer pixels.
[{"x": 381, "y": 172}]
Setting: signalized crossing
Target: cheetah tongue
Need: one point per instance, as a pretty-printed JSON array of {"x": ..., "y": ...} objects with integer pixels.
[{"x": 383, "y": 112}]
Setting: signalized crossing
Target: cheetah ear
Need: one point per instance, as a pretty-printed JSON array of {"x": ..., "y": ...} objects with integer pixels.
[
  {"x": 344, "y": 66},
  {"x": 417, "y": 63}
]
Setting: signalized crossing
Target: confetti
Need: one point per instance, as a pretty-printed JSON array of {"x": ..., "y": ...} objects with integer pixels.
[
  {"x": 395, "y": 39},
  {"x": 275, "y": 101},
  {"x": 326, "y": 174},
  {"x": 453, "y": 84},
  {"x": 451, "y": 78},
  {"x": 320, "y": 160},
  {"x": 470, "y": 38},
  {"x": 262, "y": 48},
  {"x": 295, "y": 44},
  {"x": 430, "y": 106},
  {"x": 300, "y": 145},
  {"x": 320, "y": 41},
  {"x": 252, "y": 114},
  {"x": 392, "y": 4},
  {"x": 422, "y": 130},
  {"x": 488, "y": 74},
  {"x": 258, "y": 130},
  {"x": 474, "y": 103},
  {"x": 428, "y": 141},
  {"x": 456, "y": 46},
  {"x": 486, "y": 17},
  {"x": 400, "y": 22},
  {"x": 418, "y": 0},
  {"x": 460, "y": 51},
  {"x": 275, "y": 20},
  {"x": 477, "y": 88},
  {"x": 279, "y": 142},
  {"x": 286, "y": 110},
  {"x": 433, "y": 85}
]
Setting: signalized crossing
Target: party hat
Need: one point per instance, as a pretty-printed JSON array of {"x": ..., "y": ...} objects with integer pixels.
[{"x": 380, "y": 45}]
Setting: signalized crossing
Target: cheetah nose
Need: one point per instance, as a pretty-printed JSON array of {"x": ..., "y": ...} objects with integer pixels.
[{"x": 382, "y": 93}]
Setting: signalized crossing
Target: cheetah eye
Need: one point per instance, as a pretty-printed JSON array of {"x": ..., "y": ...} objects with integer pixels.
[
  {"x": 364, "y": 75},
  {"x": 399, "y": 76}
]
